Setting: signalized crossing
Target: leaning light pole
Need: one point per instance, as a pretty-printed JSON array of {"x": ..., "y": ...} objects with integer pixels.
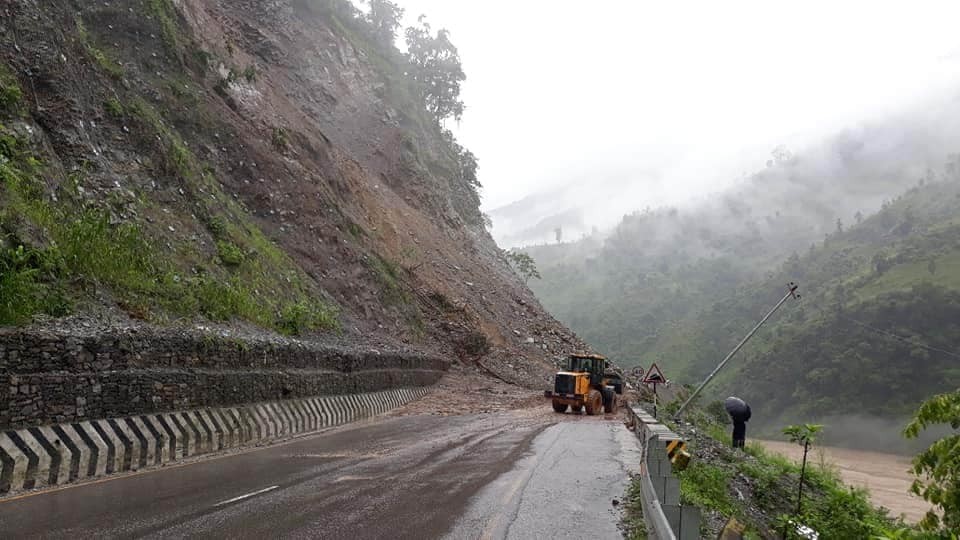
[{"x": 791, "y": 293}]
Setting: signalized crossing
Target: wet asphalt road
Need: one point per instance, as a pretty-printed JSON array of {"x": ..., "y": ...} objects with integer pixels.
[{"x": 510, "y": 475}]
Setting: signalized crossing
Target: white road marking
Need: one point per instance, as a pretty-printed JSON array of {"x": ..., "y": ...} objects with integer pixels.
[{"x": 247, "y": 496}]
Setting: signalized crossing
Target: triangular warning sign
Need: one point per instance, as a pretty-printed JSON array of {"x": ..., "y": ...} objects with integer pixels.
[{"x": 654, "y": 375}]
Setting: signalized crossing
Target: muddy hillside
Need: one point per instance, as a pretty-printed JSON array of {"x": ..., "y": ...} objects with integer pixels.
[{"x": 256, "y": 163}]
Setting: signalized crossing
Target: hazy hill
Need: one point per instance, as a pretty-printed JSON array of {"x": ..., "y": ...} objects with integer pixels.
[{"x": 681, "y": 287}]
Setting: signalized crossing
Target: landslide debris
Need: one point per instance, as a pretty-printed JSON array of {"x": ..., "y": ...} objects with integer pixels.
[{"x": 254, "y": 163}]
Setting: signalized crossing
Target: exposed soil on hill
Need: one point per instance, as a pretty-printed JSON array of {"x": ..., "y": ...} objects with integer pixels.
[{"x": 288, "y": 129}]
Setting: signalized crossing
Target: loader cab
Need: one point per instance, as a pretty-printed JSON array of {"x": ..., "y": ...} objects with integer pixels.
[{"x": 594, "y": 365}]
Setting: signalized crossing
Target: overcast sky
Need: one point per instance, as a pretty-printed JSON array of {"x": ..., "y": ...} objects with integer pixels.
[{"x": 563, "y": 91}]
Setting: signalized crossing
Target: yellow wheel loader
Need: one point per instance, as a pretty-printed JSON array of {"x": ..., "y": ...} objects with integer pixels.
[{"x": 585, "y": 384}]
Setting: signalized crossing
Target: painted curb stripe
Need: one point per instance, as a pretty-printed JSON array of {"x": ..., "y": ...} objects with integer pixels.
[{"x": 60, "y": 454}]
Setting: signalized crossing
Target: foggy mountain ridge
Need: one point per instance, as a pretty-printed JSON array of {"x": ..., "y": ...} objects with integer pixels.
[
  {"x": 681, "y": 287},
  {"x": 852, "y": 171},
  {"x": 535, "y": 217}
]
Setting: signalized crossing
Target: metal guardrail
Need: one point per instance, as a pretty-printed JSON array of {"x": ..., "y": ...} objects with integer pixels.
[{"x": 666, "y": 518}]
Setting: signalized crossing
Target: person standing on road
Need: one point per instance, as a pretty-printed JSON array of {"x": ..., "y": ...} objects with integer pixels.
[{"x": 739, "y": 412}]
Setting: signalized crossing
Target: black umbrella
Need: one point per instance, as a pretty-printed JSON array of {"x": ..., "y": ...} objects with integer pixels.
[{"x": 735, "y": 406}]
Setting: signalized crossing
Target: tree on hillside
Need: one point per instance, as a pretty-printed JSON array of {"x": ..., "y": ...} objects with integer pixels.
[
  {"x": 804, "y": 435},
  {"x": 938, "y": 467},
  {"x": 881, "y": 263},
  {"x": 435, "y": 67},
  {"x": 523, "y": 264},
  {"x": 384, "y": 17},
  {"x": 466, "y": 162}
]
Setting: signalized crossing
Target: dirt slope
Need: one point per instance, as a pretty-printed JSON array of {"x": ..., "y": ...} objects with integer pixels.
[{"x": 275, "y": 119}]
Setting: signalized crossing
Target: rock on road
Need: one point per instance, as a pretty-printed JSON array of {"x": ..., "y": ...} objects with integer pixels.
[{"x": 517, "y": 474}]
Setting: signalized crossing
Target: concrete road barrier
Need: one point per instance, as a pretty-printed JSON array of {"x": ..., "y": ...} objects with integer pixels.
[
  {"x": 666, "y": 518},
  {"x": 55, "y": 455}
]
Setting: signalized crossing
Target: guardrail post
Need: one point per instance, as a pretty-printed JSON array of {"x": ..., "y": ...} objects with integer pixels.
[
  {"x": 689, "y": 523},
  {"x": 673, "y": 516}
]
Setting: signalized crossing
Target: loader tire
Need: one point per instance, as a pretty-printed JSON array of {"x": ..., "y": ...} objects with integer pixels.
[
  {"x": 594, "y": 403},
  {"x": 559, "y": 407},
  {"x": 611, "y": 406},
  {"x": 609, "y": 400}
]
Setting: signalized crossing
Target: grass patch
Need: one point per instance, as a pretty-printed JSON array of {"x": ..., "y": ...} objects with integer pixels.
[
  {"x": 903, "y": 277},
  {"x": 387, "y": 274},
  {"x": 83, "y": 249},
  {"x": 165, "y": 14},
  {"x": 25, "y": 285},
  {"x": 280, "y": 139},
  {"x": 10, "y": 93},
  {"x": 302, "y": 316},
  {"x": 114, "y": 108},
  {"x": 829, "y": 506},
  {"x": 230, "y": 254},
  {"x": 705, "y": 485},
  {"x": 356, "y": 231},
  {"x": 250, "y": 74},
  {"x": 109, "y": 65},
  {"x": 633, "y": 522}
]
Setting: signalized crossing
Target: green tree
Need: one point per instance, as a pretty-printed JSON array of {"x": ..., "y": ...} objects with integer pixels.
[
  {"x": 384, "y": 18},
  {"x": 804, "y": 435},
  {"x": 435, "y": 67},
  {"x": 466, "y": 161},
  {"x": 937, "y": 469},
  {"x": 523, "y": 264}
]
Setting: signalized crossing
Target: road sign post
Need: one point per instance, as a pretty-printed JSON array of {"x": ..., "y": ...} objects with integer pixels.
[{"x": 654, "y": 377}]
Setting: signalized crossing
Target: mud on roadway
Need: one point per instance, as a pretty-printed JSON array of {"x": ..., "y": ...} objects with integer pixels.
[{"x": 490, "y": 461}]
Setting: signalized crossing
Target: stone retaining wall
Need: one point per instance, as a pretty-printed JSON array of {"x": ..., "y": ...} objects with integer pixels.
[
  {"x": 65, "y": 453},
  {"x": 48, "y": 378}
]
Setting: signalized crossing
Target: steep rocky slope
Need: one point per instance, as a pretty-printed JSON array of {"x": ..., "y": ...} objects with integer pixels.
[{"x": 244, "y": 162}]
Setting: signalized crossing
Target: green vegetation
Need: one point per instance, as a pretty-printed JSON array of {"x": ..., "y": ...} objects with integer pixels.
[
  {"x": 302, "y": 316},
  {"x": 705, "y": 486},
  {"x": 107, "y": 64},
  {"x": 737, "y": 484},
  {"x": 10, "y": 93},
  {"x": 938, "y": 467},
  {"x": 867, "y": 336},
  {"x": 388, "y": 275},
  {"x": 523, "y": 264},
  {"x": 230, "y": 254},
  {"x": 24, "y": 274},
  {"x": 280, "y": 139},
  {"x": 804, "y": 435},
  {"x": 114, "y": 108},
  {"x": 633, "y": 521},
  {"x": 166, "y": 15},
  {"x": 58, "y": 247},
  {"x": 422, "y": 85},
  {"x": 436, "y": 69},
  {"x": 250, "y": 74},
  {"x": 55, "y": 233}
]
